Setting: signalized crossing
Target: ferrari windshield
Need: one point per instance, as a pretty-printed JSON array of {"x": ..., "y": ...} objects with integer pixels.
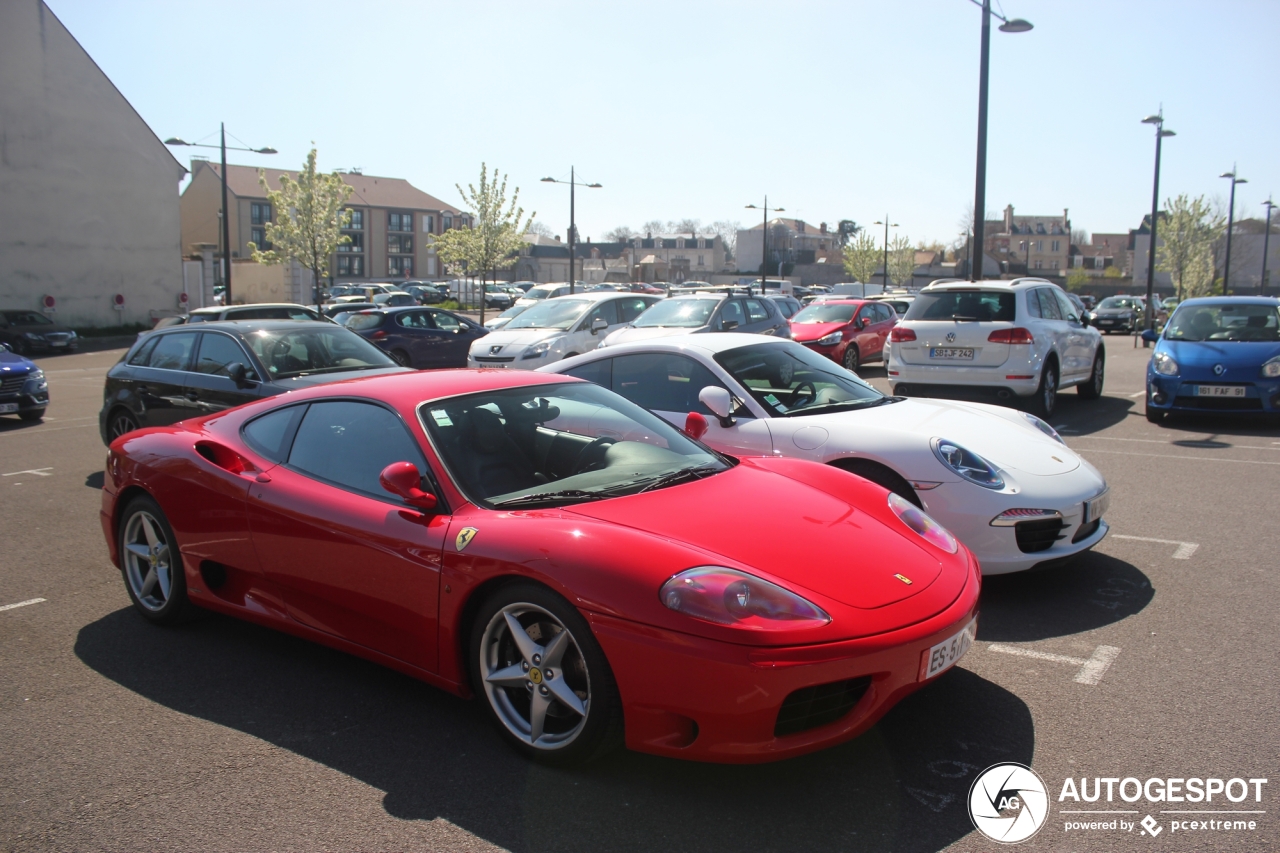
[
  {"x": 558, "y": 313},
  {"x": 1224, "y": 321},
  {"x": 546, "y": 445},
  {"x": 677, "y": 313},
  {"x": 319, "y": 350},
  {"x": 826, "y": 312},
  {"x": 791, "y": 380}
]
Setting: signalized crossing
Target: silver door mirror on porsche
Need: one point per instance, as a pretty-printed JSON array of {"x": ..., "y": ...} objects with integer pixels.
[{"x": 719, "y": 402}]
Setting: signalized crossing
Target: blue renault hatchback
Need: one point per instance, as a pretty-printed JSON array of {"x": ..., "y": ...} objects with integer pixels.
[
  {"x": 1217, "y": 354},
  {"x": 23, "y": 389}
]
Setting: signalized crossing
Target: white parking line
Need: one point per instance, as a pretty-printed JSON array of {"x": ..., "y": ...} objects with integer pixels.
[
  {"x": 1195, "y": 458},
  {"x": 1173, "y": 444},
  {"x": 1091, "y": 669},
  {"x": 1183, "y": 552},
  {"x": 1139, "y": 394},
  {"x": 22, "y": 603},
  {"x": 39, "y": 472}
]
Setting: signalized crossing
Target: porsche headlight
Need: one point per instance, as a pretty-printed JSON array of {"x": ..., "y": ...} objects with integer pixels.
[
  {"x": 967, "y": 464},
  {"x": 537, "y": 350},
  {"x": 922, "y": 523},
  {"x": 829, "y": 340},
  {"x": 1043, "y": 427},
  {"x": 1164, "y": 364},
  {"x": 1271, "y": 369},
  {"x": 731, "y": 597}
]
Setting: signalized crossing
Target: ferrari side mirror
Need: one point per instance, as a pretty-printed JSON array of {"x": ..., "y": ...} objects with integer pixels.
[
  {"x": 696, "y": 426},
  {"x": 403, "y": 479}
]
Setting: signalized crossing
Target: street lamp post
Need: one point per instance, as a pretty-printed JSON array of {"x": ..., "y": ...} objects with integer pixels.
[
  {"x": 887, "y": 225},
  {"x": 1026, "y": 244},
  {"x": 1010, "y": 25},
  {"x": 573, "y": 228},
  {"x": 764, "y": 247},
  {"x": 226, "y": 219},
  {"x": 1231, "y": 219},
  {"x": 1266, "y": 244},
  {"x": 1161, "y": 133}
]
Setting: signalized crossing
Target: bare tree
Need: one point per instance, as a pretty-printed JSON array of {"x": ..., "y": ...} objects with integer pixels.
[
  {"x": 621, "y": 234},
  {"x": 1079, "y": 237},
  {"x": 541, "y": 229},
  {"x": 727, "y": 231},
  {"x": 653, "y": 226}
]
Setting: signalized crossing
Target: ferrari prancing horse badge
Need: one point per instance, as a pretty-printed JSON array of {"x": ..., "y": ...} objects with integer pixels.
[{"x": 464, "y": 537}]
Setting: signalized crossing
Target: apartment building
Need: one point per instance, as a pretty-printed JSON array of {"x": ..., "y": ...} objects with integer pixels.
[
  {"x": 1041, "y": 245},
  {"x": 791, "y": 241}
]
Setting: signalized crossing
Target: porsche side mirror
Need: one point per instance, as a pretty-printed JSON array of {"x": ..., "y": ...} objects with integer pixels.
[
  {"x": 1150, "y": 335},
  {"x": 719, "y": 402},
  {"x": 696, "y": 426},
  {"x": 598, "y": 325},
  {"x": 403, "y": 479},
  {"x": 239, "y": 374}
]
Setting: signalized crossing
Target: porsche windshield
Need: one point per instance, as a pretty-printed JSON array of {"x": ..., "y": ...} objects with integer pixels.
[
  {"x": 677, "y": 314},
  {"x": 1224, "y": 321},
  {"x": 558, "y": 313},
  {"x": 790, "y": 380},
  {"x": 320, "y": 350},
  {"x": 546, "y": 445}
]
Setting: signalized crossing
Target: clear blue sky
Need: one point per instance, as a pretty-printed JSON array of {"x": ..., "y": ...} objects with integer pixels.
[{"x": 846, "y": 109}]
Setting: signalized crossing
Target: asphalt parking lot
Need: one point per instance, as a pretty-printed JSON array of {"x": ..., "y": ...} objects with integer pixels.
[{"x": 1153, "y": 656}]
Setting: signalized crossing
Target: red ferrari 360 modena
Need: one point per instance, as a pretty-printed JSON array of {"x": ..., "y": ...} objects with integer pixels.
[{"x": 591, "y": 573}]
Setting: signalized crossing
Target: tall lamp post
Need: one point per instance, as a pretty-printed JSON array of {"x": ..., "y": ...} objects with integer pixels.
[
  {"x": 1231, "y": 220},
  {"x": 1161, "y": 133},
  {"x": 573, "y": 228},
  {"x": 1266, "y": 243},
  {"x": 764, "y": 246},
  {"x": 887, "y": 225},
  {"x": 226, "y": 220},
  {"x": 1026, "y": 244},
  {"x": 1010, "y": 25}
]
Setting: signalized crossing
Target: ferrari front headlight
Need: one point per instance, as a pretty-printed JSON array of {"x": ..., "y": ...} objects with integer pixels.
[{"x": 732, "y": 597}]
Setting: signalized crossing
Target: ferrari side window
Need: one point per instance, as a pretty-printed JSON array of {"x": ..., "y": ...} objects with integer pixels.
[
  {"x": 348, "y": 443},
  {"x": 271, "y": 434}
]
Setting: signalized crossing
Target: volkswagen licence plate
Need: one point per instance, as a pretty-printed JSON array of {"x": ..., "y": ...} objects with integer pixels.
[
  {"x": 951, "y": 352},
  {"x": 1220, "y": 391},
  {"x": 8, "y": 408},
  {"x": 940, "y": 658}
]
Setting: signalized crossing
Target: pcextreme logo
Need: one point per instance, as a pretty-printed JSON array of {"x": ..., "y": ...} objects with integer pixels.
[{"x": 1008, "y": 803}]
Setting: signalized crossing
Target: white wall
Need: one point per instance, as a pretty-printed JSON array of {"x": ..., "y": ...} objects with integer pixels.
[{"x": 90, "y": 195}]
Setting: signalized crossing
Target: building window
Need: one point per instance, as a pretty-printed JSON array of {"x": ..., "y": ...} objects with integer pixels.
[
  {"x": 1039, "y": 264},
  {"x": 1056, "y": 244},
  {"x": 398, "y": 244},
  {"x": 259, "y": 238},
  {"x": 700, "y": 261},
  {"x": 1054, "y": 265},
  {"x": 446, "y": 222},
  {"x": 400, "y": 266},
  {"x": 351, "y": 265},
  {"x": 428, "y": 224},
  {"x": 259, "y": 213},
  {"x": 400, "y": 222},
  {"x": 357, "y": 221},
  {"x": 357, "y": 242}
]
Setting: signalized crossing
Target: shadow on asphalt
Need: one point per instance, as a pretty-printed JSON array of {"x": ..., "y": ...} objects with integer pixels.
[
  {"x": 13, "y": 424},
  {"x": 902, "y": 786},
  {"x": 1093, "y": 591},
  {"x": 1218, "y": 426},
  {"x": 1082, "y": 417},
  {"x": 94, "y": 480}
]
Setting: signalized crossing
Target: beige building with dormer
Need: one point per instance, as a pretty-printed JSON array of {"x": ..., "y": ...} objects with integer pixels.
[{"x": 1040, "y": 245}]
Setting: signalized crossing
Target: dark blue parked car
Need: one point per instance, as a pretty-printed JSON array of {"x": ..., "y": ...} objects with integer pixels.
[
  {"x": 23, "y": 390},
  {"x": 419, "y": 337},
  {"x": 1218, "y": 354}
]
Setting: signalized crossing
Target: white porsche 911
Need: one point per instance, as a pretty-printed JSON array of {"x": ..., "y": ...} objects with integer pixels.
[{"x": 1003, "y": 481}]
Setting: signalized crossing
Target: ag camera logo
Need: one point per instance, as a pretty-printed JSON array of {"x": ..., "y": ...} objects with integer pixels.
[{"x": 1008, "y": 803}]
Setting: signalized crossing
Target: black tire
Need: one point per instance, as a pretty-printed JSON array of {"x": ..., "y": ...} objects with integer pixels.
[
  {"x": 120, "y": 422},
  {"x": 1155, "y": 416},
  {"x": 570, "y": 355},
  {"x": 31, "y": 414},
  {"x": 568, "y": 737},
  {"x": 400, "y": 357},
  {"x": 21, "y": 347},
  {"x": 881, "y": 476},
  {"x": 1045, "y": 401},
  {"x": 1092, "y": 389},
  {"x": 150, "y": 561},
  {"x": 851, "y": 360}
]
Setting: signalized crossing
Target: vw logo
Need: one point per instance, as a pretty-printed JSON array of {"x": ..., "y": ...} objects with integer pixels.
[
  {"x": 951, "y": 336},
  {"x": 1219, "y": 369},
  {"x": 1008, "y": 803},
  {"x": 493, "y": 350}
]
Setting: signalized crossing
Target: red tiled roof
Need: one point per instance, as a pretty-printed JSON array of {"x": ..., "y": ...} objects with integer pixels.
[{"x": 369, "y": 190}]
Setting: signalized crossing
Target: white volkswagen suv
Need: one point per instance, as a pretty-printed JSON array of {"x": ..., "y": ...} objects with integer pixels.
[{"x": 1019, "y": 338}]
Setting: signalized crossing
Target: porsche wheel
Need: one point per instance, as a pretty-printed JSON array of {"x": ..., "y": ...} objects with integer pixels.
[
  {"x": 850, "y": 360},
  {"x": 151, "y": 563},
  {"x": 542, "y": 676}
]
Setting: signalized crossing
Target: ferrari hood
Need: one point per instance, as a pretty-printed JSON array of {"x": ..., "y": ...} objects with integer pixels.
[
  {"x": 802, "y": 535},
  {"x": 999, "y": 435}
]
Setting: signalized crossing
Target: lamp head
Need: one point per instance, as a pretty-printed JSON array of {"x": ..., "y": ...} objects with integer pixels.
[
  {"x": 1164, "y": 132},
  {"x": 173, "y": 140},
  {"x": 267, "y": 150},
  {"x": 549, "y": 181},
  {"x": 1228, "y": 175},
  {"x": 1155, "y": 119},
  {"x": 1015, "y": 25},
  {"x": 753, "y": 207},
  {"x": 595, "y": 186}
]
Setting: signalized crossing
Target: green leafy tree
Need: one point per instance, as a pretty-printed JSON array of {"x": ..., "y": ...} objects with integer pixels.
[
  {"x": 493, "y": 242},
  {"x": 862, "y": 256},
  {"x": 307, "y": 220},
  {"x": 902, "y": 260},
  {"x": 1077, "y": 278},
  {"x": 1186, "y": 235}
]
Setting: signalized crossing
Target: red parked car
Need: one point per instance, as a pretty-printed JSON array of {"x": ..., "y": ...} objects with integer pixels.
[
  {"x": 851, "y": 332},
  {"x": 572, "y": 560}
]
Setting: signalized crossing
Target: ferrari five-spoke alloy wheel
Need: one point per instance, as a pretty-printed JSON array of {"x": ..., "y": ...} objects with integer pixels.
[
  {"x": 151, "y": 563},
  {"x": 122, "y": 422},
  {"x": 544, "y": 678},
  {"x": 850, "y": 360}
]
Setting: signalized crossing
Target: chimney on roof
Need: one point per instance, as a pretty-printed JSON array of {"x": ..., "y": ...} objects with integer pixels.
[{"x": 823, "y": 228}]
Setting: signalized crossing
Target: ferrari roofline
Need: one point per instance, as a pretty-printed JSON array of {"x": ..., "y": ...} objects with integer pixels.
[{"x": 414, "y": 387}]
